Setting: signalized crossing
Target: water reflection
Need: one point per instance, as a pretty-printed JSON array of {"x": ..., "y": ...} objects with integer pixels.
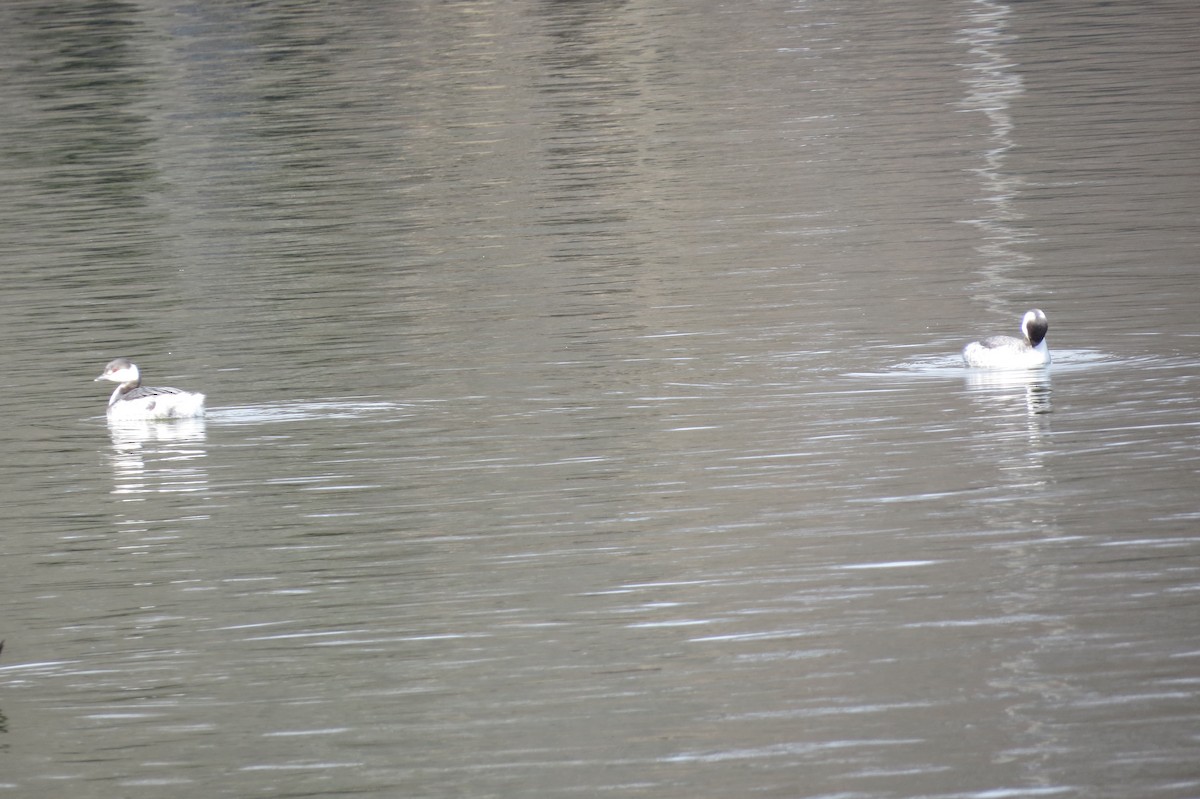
[
  {"x": 1016, "y": 391},
  {"x": 994, "y": 86},
  {"x": 158, "y": 457},
  {"x": 1014, "y": 422}
]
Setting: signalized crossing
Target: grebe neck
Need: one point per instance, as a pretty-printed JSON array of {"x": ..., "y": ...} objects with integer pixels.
[{"x": 123, "y": 389}]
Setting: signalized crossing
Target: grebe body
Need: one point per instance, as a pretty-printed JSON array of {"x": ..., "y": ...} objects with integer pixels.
[
  {"x": 1008, "y": 352},
  {"x": 131, "y": 401}
]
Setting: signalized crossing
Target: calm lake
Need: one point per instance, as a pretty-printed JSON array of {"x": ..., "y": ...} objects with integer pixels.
[{"x": 585, "y": 409}]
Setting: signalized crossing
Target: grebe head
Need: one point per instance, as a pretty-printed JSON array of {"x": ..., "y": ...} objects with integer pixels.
[
  {"x": 120, "y": 370},
  {"x": 1033, "y": 325}
]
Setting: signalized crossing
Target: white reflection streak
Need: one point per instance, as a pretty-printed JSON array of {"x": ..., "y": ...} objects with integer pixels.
[
  {"x": 1029, "y": 387},
  {"x": 993, "y": 86},
  {"x": 1019, "y": 394},
  {"x": 1018, "y": 403},
  {"x": 158, "y": 457}
]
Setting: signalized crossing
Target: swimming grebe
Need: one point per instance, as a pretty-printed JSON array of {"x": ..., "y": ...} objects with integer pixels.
[
  {"x": 131, "y": 401},
  {"x": 1007, "y": 352}
]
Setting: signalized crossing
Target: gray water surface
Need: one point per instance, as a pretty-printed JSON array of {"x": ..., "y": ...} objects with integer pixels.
[{"x": 586, "y": 417}]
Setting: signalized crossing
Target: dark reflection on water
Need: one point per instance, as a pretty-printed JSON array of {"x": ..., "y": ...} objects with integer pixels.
[{"x": 586, "y": 407}]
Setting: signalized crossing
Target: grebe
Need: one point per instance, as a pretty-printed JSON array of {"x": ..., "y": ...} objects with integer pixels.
[
  {"x": 1007, "y": 352},
  {"x": 133, "y": 402}
]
